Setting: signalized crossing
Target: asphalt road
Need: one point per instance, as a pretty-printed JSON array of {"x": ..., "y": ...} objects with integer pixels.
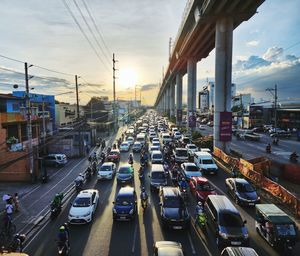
[{"x": 105, "y": 237}]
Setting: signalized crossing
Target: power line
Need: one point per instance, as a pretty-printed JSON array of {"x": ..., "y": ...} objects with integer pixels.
[
  {"x": 91, "y": 31},
  {"x": 96, "y": 27},
  {"x": 82, "y": 31}
]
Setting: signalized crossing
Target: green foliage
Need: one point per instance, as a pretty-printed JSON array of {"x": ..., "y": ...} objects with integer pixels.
[
  {"x": 173, "y": 119},
  {"x": 196, "y": 135}
]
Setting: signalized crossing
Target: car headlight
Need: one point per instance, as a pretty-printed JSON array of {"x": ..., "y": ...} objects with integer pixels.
[
  {"x": 114, "y": 211},
  {"x": 223, "y": 235},
  {"x": 258, "y": 198},
  {"x": 131, "y": 211}
]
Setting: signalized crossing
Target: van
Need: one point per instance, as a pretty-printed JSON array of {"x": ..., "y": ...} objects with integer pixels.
[
  {"x": 55, "y": 160},
  {"x": 226, "y": 222},
  {"x": 141, "y": 138},
  {"x": 157, "y": 177},
  {"x": 205, "y": 162}
]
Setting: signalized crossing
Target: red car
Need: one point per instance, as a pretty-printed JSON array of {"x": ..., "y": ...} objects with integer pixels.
[
  {"x": 113, "y": 156},
  {"x": 200, "y": 187}
]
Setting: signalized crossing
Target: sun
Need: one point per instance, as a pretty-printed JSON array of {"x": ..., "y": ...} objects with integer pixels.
[{"x": 127, "y": 78}]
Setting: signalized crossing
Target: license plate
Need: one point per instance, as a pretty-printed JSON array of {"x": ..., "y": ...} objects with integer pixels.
[
  {"x": 212, "y": 172},
  {"x": 122, "y": 218},
  {"x": 251, "y": 203},
  {"x": 177, "y": 227},
  {"x": 236, "y": 243}
]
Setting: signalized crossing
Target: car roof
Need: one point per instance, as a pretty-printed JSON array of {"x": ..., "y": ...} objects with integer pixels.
[
  {"x": 86, "y": 193},
  {"x": 156, "y": 152},
  {"x": 190, "y": 144},
  {"x": 239, "y": 180},
  {"x": 137, "y": 142},
  {"x": 200, "y": 180},
  {"x": 171, "y": 191},
  {"x": 189, "y": 164},
  {"x": 201, "y": 153},
  {"x": 125, "y": 165},
  {"x": 180, "y": 149},
  {"x": 115, "y": 151},
  {"x": 126, "y": 191},
  {"x": 222, "y": 203},
  {"x": 240, "y": 251},
  {"x": 157, "y": 168},
  {"x": 275, "y": 214},
  {"x": 107, "y": 164}
]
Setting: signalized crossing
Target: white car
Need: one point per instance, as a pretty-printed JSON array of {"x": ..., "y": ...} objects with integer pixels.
[
  {"x": 84, "y": 207},
  {"x": 106, "y": 171},
  {"x": 202, "y": 127},
  {"x": 191, "y": 148},
  {"x": 177, "y": 135},
  {"x": 152, "y": 148},
  {"x": 155, "y": 140},
  {"x": 130, "y": 140},
  {"x": 152, "y": 135},
  {"x": 156, "y": 144},
  {"x": 124, "y": 146}
]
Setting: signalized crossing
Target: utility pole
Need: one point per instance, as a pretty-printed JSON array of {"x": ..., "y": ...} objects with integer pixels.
[
  {"x": 44, "y": 126},
  {"x": 29, "y": 124},
  {"x": 78, "y": 117},
  {"x": 271, "y": 90},
  {"x": 114, "y": 92},
  {"x": 242, "y": 109},
  {"x": 170, "y": 48}
]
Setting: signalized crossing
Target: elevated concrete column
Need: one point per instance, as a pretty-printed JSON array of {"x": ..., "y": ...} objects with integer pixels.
[
  {"x": 172, "y": 98},
  {"x": 191, "y": 91},
  {"x": 164, "y": 103},
  {"x": 178, "y": 99},
  {"x": 168, "y": 100},
  {"x": 223, "y": 69}
]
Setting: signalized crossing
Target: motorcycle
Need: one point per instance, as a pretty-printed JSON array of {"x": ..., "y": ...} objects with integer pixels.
[
  {"x": 184, "y": 193},
  {"x": 55, "y": 211},
  {"x": 78, "y": 186},
  {"x": 268, "y": 149},
  {"x": 62, "y": 248},
  {"x": 88, "y": 174},
  {"x": 130, "y": 160},
  {"x": 17, "y": 243},
  {"x": 166, "y": 168},
  {"x": 293, "y": 158}
]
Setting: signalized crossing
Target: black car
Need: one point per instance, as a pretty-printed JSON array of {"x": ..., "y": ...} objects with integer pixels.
[
  {"x": 125, "y": 174},
  {"x": 173, "y": 211},
  {"x": 242, "y": 191},
  {"x": 125, "y": 205}
]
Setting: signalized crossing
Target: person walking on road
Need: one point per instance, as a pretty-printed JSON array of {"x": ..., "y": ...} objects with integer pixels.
[
  {"x": 9, "y": 209},
  {"x": 16, "y": 202}
]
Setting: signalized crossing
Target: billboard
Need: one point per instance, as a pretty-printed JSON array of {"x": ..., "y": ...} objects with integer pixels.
[{"x": 225, "y": 126}]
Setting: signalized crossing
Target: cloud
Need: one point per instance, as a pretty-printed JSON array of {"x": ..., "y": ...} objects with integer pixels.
[
  {"x": 252, "y": 43},
  {"x": 273, "y": 54},
  {"x": 147, "y": 87},
  {"x": 250, "y": 63}
]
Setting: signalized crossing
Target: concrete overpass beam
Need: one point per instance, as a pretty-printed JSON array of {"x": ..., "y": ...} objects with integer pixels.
[
  {"x": 192, "y": 87},
  {"x": 223, "y": 69},
  {"x": 178, "y": 99}
]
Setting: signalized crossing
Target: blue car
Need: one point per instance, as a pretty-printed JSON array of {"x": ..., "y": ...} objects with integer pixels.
[{"x": 125, "y": 205}]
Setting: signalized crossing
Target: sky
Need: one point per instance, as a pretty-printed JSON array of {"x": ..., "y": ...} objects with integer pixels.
[{"x": 266, "y": 48}]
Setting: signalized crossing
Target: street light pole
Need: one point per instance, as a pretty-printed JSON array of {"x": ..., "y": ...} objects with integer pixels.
[
  {"x": 275, "y": 105},
  {"x": 29, "y": 124}
]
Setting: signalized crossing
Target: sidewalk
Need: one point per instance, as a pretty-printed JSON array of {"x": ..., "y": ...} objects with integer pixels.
[{"x": 35, "y": 198}]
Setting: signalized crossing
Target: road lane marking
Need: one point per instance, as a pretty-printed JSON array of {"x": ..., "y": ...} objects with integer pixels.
[
  {"x": 134, "y": 238},
  {"x": 191, "y": 243}
]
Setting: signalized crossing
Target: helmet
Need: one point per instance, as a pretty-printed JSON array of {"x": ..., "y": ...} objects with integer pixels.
[
  {"x": 183, "y": 179},
  {"x": 66, "y": 224},
  {"x": 143, "y": 189},
  {"x": 199, "y": 203},
  {"x": 62, "y": 228}
]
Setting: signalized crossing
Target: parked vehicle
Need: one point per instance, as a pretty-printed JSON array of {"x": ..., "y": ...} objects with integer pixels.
[
  {"x": 242, "y": 191},
  {"x": 225, "y": 221},
  {"x": 125, "y": 204},
  {"x": 55, "y": 160},
  {"x": 276, "y": 227}
]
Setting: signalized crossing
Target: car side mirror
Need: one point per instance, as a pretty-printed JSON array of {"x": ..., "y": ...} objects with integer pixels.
[{"x": 245, "y": 221}]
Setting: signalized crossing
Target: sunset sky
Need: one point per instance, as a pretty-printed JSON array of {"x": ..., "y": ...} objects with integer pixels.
[{"x": 43, "y": 33}]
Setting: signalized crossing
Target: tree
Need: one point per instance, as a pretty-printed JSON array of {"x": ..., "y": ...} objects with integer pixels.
[{"x": 95, "y": 110}]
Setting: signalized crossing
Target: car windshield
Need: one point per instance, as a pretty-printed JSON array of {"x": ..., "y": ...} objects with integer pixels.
[
  {"x": 181, "y": 152},
  {"x": 229, "y": 219},
  {"x": 244, "y": 187},
  {"x": 82, "y": 202},
  {"x": 113, "y": 153},
  {"x": 136, "y": 145},
  {"x": 125, "y": 170},
  {"x": 124, "y": 144},
  {"x": 205, "y": 187},
  {"x": 166, "y": 136},
  {"x": 157, "y": 156},
  {"x": 105, "y": 168},
  {"x": 286, "y": 230},
  {"x": 158, "y": 175},
  {"x": 156, "y": 144},
  {"x": 124, "y": 200},
  {"x": 192, "y": 147},
  {"x": 207, "y": 161},
  {"x": 173, "y": 202},
  {"x": 192, "y": 169}
]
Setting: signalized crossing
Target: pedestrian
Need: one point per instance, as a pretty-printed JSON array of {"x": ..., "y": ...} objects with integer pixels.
[
  {"x": 9, "y": 209},
  {"x": 16, "y": 202}
]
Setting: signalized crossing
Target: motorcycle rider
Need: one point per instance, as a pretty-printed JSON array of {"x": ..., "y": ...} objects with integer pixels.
[
  {"x": 183, "y": 185},
  {"x": 293, "y": 157},
  {"x": 144, "y": 197},
  {"x": 88, "y": 172},
  {"x": 63, "y": 236},
  {"x": 200, "y": 214},
  {"x": 275, "y": 141},
  {"x": 79, "y": 180},
  {"x": 56, "y": 202},
  {"x": 130, "y": 159}
]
